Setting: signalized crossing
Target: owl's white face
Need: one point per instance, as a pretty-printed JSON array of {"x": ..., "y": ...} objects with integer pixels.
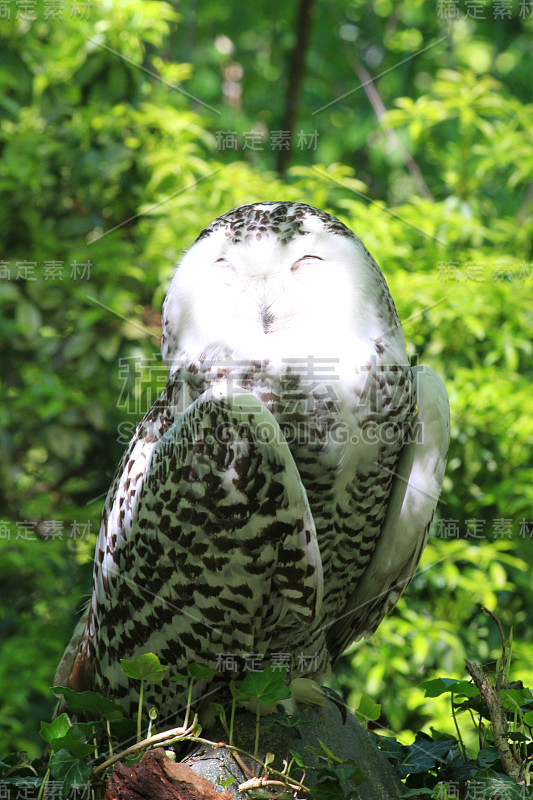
[{"x": 273, "y": 297}]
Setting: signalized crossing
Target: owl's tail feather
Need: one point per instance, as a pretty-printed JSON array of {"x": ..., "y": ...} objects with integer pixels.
[{"x": 73, "y": 670}]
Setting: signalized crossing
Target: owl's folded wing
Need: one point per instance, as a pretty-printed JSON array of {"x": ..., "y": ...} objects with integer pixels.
[
  {"x": 224, "y": 473},
  {"x": 214, "y": 533},
  {"x": 414, "y": 494}
]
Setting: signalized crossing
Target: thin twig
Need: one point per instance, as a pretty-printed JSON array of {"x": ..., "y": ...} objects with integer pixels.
[
  {"x": 241, "y": 764},
  {"x": 503, "y": 662},
  {"x": 159, "y": 738},
  {"x": 258, "y": 783},
  {"x": 380, "y": 111},
  {"x": 462, "y": 747},
  {"x": 498, "y": 623}
]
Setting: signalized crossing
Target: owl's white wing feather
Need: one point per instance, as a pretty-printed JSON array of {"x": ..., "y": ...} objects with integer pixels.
[{"x": 413, "y": 499}]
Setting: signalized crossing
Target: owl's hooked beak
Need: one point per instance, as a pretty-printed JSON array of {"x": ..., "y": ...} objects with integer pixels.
[{"x": 267, "y": 317}]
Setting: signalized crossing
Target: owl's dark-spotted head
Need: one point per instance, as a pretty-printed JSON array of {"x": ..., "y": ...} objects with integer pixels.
[
  {"x": 282, "y": 219},
  {"x": 272, "y": 281}
]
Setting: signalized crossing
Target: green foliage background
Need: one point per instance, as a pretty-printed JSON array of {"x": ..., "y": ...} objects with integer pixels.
[{"x": 111, "y": 169}]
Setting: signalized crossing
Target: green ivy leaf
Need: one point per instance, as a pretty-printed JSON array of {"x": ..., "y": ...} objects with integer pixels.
[
  {"x": 74, "y": 741},
  {"x": 200, "y": 671},
  {"x": 424, "y": 754},
  {"x": 90, "y": 701},
  {"x": 348, "y": 772},
  {"x": 56, "y": 729},
  {"x": 123, "y": 729},
  {"x": 88, "y": 728},
  {"x": 368, "y": 710},
  {"x": 490, "y": 784},
  {"x": 67, "y": 768},
  {"x": 145, "y": 667},
  {"x": 16, "y": 763},
  {"x": 438, "y": 686},
  {"x": 391, "y": 748},
  {"x": 268, "y": 685},
  {"x": 487, "y": 756},
  {"x": 439, "y": 736},
  {"x": 517, "y": 736},
  {"x": 328, "y": 787},
  {"x": 514, "y": 698}
]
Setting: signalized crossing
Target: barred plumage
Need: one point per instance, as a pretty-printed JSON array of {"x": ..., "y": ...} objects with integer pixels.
[{"x": 276, "y": 499}]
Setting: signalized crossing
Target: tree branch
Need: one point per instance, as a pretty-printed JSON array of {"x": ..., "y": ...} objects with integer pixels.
[
  {"x": 511, "y": 766},
  {"x": 296, "y": 67}
]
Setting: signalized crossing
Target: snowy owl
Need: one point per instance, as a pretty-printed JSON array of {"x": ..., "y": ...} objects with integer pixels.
[{"x": 274, "y": 502}]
